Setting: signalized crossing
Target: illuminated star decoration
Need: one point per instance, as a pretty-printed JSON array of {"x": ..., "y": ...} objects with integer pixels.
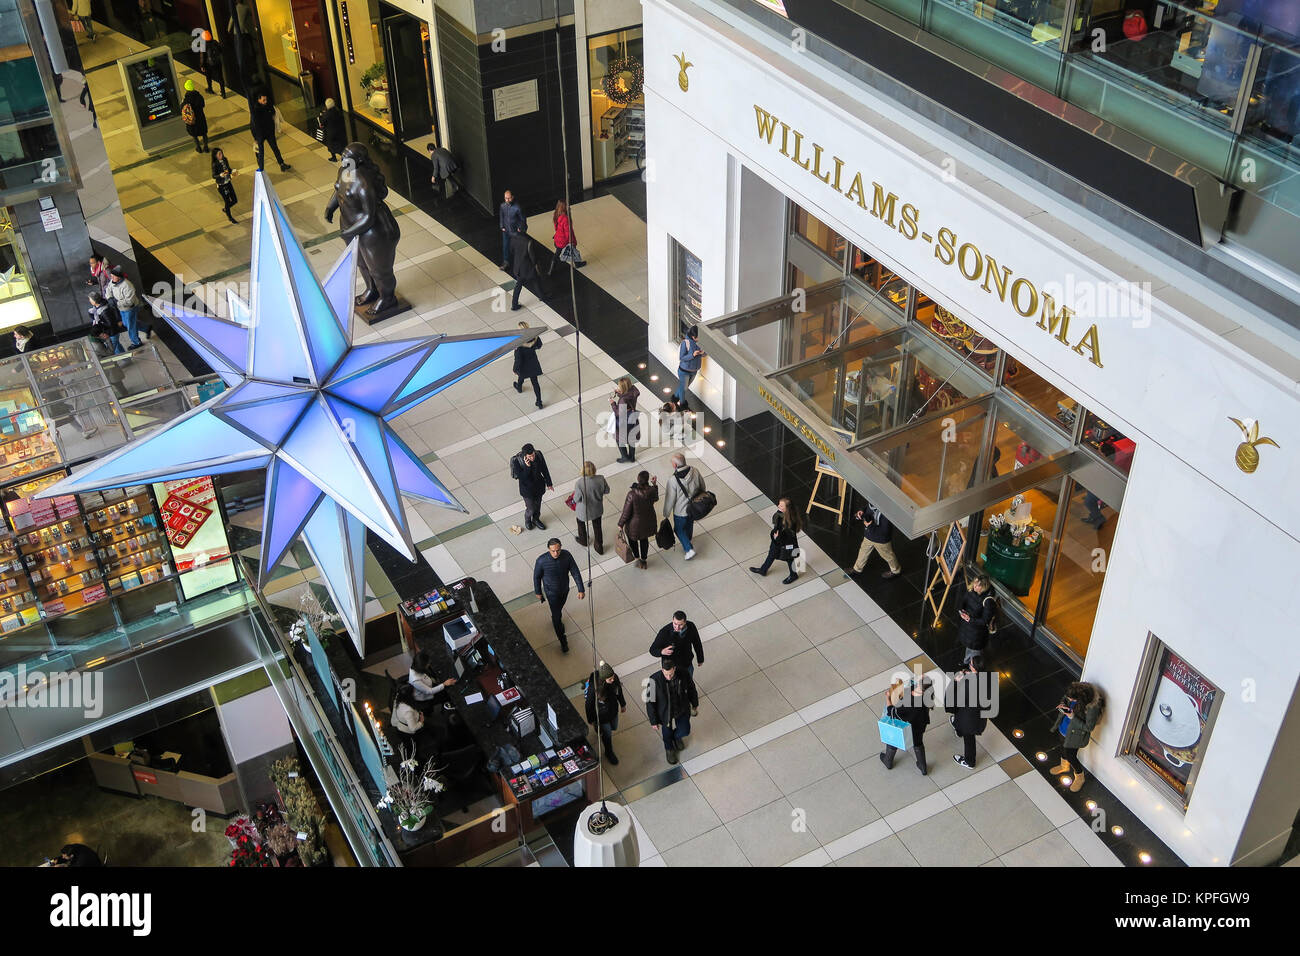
[{"x": 308, "y": 406}]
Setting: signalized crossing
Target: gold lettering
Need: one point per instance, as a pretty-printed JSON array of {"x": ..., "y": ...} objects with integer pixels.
[
  {"x": 944, "y": 249},
  {"x": 798, "y": 141},
  {"x": 962, "y": 257},
  {"x": 766, "y": 123},
  {"x": 839, "y": 167},
  {"x": 856, "y": 186},
  {"x": 1000, "y": 279},
  {"x": 817, "y": 165},
  {"x": 1029, "y": 310},
  {"x": 785, "y": 137},
  {"x": 1050, "y": 319},
  {"x": 882, "y": 207},
  {"x": 908, "y": 224},
  {"x": 1089, "y": 341}
]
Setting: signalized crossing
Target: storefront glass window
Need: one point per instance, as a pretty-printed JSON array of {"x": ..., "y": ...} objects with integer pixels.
[
  {"x": 975, "y": 350},
  {"x": 1018, "y": 541},
  {"x": 275, "y": 19},
  {"x": 688, "y": 294},
  {"x": 364, "y": 58},
  {"x": 1108, "y": 443},
  {"x": 615, "y": 71},
  {"x": 1076, "y": 582},
  {"x": 1037, "y": 392},
  {"x": 18, "y": 305},
  {"x": 822, "y": 236},
  {"x": 879, "y": 277}
]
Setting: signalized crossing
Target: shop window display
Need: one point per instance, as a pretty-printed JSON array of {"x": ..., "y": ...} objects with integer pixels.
[
  {"x": 18, "y": 302},
  {"x": 1086, "y": 538},
  {"x": 275, "y": 22},
  {"x": 1050, "y": 402},
  {"x": 615, "y": 72},
  {"x": 822, "y": 236}
]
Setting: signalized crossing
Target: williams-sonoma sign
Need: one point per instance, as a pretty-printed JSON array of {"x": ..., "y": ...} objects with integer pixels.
[{"x": 976, "y": 265}]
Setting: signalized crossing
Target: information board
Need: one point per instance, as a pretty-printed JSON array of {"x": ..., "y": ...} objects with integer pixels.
[
  {"x": 953, "y": 546},
  {"x": 153, "y": 88}
]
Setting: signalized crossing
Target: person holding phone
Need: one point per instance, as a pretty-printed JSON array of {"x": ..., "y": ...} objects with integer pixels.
[{"x": 1076, "y": 718}]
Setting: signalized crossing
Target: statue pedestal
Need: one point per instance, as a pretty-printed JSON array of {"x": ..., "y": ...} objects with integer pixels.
[{"x": 360, "y": 311}]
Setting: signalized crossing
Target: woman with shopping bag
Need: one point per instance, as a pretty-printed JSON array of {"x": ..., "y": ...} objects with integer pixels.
[
  {"x": 907, "y": 714},
  {"x": 637, "y": 522},
  {"x": 566, "y": 244}
]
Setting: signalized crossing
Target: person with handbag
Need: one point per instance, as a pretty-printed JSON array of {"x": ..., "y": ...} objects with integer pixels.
[
  {"x": 963, "y": 701},
  {"x": 687, "y": 482},
  {"x": 551, "y": 573},
  {"x": 527, "y": 366},
  {"x": 81, "y": 11},
  {"x": 604, "y": 697},
  {"x": 909, "y": 701},
  {"x": 264, "y": 122},
  {"x": 978, "y": 613},
  {"x": 566, "y": 244},
  {"x": 670, "y": 700},
  {"x": 443, "y": 167},
  {"x": 1076, "y": 718},
  {"x": 332, "y": 132},
  {"x": 626, "y": 419},
  {"x": 785, "y": 534},
  {"x": 223, "y": 176},
  {"x": 637, "y": 522},
  {"x": 589, "y": 505}
]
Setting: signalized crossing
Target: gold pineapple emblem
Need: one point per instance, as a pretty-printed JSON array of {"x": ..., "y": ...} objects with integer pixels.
[
  {"x": 683, "y": 80},
  {"x": 1247, "y": 453}
]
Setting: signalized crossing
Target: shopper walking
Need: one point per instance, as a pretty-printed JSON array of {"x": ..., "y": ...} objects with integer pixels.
[
  {"x": 334, "y": 135},
  {"x": 626, "y": 419},
  {"x": 564, "y": 236},
  {"x": 122, "y": 294},
  {"x": 527, "y": 366},
  {"x": 210, "y": 63},
  {"x": 194, "y": 117},
  {"x": 529, "y": 468},
  {"x": 671, "y": 698},
  {"x": 525, "y": 268},
  {"x": 551, "y": 573},
  {"x": 964, "y": 701},
  {"x": 877, "y": 535},
  {"x": 637, "y": 521},
  {"x": 689, "y": 357},
  {"x": 680, "y": 640},
  {"x": 444, "y": 167},
  {"x": 1076, "y": 718},
  {"x": 785, "y": 535},
  {"x": 909, "y": 701},
  {"x": 511, "y": 219},
  {"x": 223, "y": 175},
  {"x": 605, "y": 702},
  {"x": 104, "y": 324},
  {"x": 978, "y": 610},
  {"x": 81, "y": 10},
  {"x": 685, "y": 484},
  {"x": 589, "y": 505},
  {"x": 86, "y": 100},
  {"x": 264, "y": 122}
]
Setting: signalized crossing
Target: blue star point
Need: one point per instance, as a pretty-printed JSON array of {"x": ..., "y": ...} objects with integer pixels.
[{"x": 309, "y": 407}]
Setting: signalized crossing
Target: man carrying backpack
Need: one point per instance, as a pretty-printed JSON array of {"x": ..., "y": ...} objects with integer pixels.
[{"x": 529, "y": 469}]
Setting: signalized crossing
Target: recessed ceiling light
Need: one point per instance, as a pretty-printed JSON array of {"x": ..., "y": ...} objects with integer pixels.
[
  {"x": 654, "y": 378},
  {"x": 1018, "y": 733},
  {"x": 1117, "y": 830},
  {"x": 1040, "y": 756},
  {"x": 1145, "y": 857},
  {"x": 707, "y": 429},
  {"x": 1090, "y": 804},
  {"x": 667, "y": 389},
  {"x": 720, "y": 443},
  {"x": 641, "y": 365},
  {"x": 1065, "y": 780}
]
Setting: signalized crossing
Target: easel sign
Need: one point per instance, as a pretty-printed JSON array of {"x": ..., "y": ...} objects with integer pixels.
[
  {"x": 823, "y": 466},
  {"x": 949, "y": 560}
]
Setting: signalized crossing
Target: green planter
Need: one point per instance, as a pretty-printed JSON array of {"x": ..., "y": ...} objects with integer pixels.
[{"x": 1013, "y": 565}]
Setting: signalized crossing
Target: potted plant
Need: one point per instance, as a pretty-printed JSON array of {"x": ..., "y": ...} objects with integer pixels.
[
  {"x": 249, "y": 852},
  {"x": 242, "y": 825},
  {"x": 411, "y": 798},
  {"x": 312, "y": 612}
]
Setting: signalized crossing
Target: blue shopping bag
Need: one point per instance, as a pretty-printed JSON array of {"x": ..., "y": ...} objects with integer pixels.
[
  {"x": 1065, "y": 726},
  {"x": 895, "y": 733}
]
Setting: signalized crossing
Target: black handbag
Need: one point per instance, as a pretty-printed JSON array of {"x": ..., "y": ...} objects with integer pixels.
[
  {"x": 664, "y": 536},
  {"x": 699, "y": 506}
]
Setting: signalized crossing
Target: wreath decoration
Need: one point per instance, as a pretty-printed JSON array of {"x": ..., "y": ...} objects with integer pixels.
[{"x": 617, "y": 68}]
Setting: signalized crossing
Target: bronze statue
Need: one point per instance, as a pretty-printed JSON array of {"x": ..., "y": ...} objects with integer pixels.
[{"x": 359, "y": 191}]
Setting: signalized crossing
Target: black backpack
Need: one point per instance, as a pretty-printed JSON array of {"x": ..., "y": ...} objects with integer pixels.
[{"x": 516, "y": 467}]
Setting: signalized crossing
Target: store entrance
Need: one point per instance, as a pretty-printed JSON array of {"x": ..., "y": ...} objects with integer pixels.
[{"x": 406, "y": 48}]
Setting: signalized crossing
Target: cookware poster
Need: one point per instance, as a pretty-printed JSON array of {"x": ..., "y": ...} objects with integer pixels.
[{"x": 1173, "y": 737}]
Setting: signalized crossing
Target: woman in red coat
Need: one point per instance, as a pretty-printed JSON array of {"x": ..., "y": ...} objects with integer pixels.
[{"x": 563, "y": 232}]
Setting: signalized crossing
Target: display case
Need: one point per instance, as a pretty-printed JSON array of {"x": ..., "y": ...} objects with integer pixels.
[
  {"x": 57, "y": 551},
  {"x": 18, "y": 606},
  {"x": 128, "y": 537},
  {"x": 624, "y": 128}
]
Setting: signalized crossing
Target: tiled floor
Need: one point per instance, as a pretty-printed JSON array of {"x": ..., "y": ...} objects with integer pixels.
[{"x": 781, "y": 766}]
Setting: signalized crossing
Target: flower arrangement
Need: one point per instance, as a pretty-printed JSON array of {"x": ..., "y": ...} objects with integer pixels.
[
  {"x": 374, "y": 78},
  {"x": 312, "y": 612},
  {"x": 1021, "y": 535},
  {"x": 302, "y": 812},
  {"x": 282, "y": 840},
  {"x": 411, "y": 797},
  {"x": 249, "y": 852},
  {"x": 241, "y": 826}
]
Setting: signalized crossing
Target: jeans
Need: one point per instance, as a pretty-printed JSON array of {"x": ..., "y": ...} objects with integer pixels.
[
  {"x": 128, "y": 319},
  {"x": 684, "y": 379},
  {"x": 677, "y": 729},
  {"x": 684, "y": 527},
  {"x": 628, "y": 452},
  {"x": 532, "y": 509},
  {"x": 261, "y": 151},
  {"x": 1093, "y": 504},
  {"x": 537, "y": 389},
  {"x": 556, "y": 600},
  {"x": 505, "y": 249}
]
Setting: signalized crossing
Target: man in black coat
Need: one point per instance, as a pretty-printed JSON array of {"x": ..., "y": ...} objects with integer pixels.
[
  {"x": 551, "y": 573},
  {"x": 978, "y": 609},
  {"x": 511, "y": 219},
  {"x": 261, "y": 120},
  {"x": 210, "y": 63},
  {"x": 525, "y": 268},
  {"x": 877, "y": 535},
  {"x": 967, "y": 705},
  {"x": 670, "y": 699},
  {"x": 676, "y": 639},
  {"x": 529, "y": 468}
]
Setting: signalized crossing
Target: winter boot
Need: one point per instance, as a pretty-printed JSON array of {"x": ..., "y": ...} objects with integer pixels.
[
  {"x": 1077, "y": 783},
  {"x": 1062, "y": 767},
  {"x": 671, "y": 754}
]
